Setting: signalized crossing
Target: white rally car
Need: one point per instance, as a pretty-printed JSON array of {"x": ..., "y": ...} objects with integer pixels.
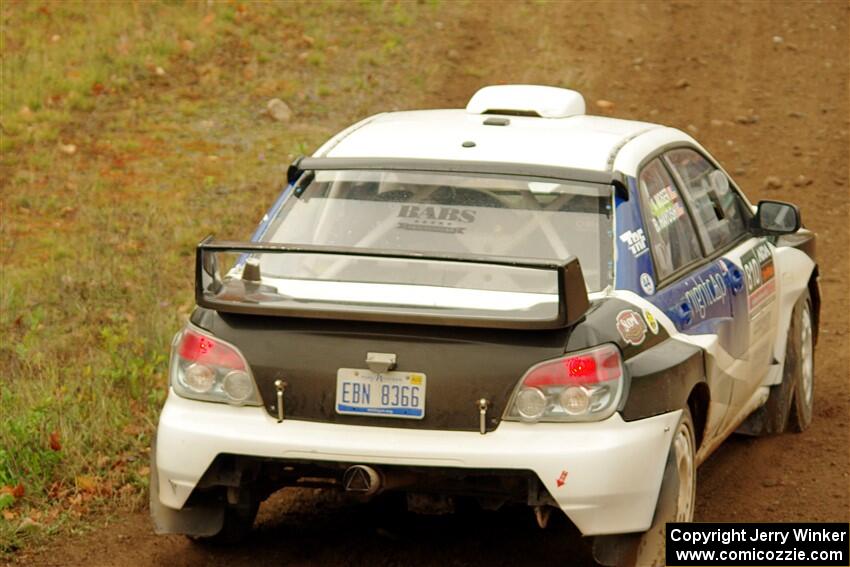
[{"x": 512, "y": 302}]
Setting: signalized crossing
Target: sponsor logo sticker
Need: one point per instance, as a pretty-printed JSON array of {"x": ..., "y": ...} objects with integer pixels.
[
  {"x": 636, "y": 241},
  {"x": 651, "y": 321},
  {"x": 758, "y": 275},
  {"x": 665, "y": 208},
  {"x": 647, "y": 284},
  {"x": 631, "y": 327},
  {"x": 430, "y": 218},
  {"x": 706, "y": 292}
]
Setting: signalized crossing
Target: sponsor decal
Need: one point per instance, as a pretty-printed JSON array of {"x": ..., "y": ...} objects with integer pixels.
[
  {"x": 636, "y": 241},
  {"x": 665, "y": 208},
  {"x": 561, "y": 479},
  {"x": 430, "y": 218},
  {"x": 651, "y": 321},
  {"x": 647, "y": 284},
  {"x": 631, "y": 327},
  {"x": 759, "y": 276},
  {"x": 705, "y": 293}
]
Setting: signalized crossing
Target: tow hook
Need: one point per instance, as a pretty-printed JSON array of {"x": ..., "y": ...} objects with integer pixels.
[
  {"x": 280, "y": 386},
  {"x": 483, "y": 404}
]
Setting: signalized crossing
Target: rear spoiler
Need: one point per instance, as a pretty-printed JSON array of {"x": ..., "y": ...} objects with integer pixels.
[
  {"x": 573, "y": 301},
  {"x": 302, "y": 164}
]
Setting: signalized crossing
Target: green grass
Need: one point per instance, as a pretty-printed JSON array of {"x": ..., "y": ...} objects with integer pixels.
[{"x": 110, "y": 173}]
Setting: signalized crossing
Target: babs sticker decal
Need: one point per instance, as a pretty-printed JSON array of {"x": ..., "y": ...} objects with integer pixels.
[
  {"x": 631, "y": 327},
  {"x": 449, "y": 220},
  {"x": 636, "y": 241},
  {"x": 758, "y": 274}
]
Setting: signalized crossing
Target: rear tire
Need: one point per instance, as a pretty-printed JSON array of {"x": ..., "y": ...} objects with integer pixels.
[
  {"x": 676, "y": 501},
  {"x": 677, "y": 497}
]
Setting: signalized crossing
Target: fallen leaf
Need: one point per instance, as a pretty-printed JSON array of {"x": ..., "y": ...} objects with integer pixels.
[
  {"x": 19, "y": 490},
  {"x": 54, "y": 441},
  {"x": 86, "y": 483},
  {"x": 8, "y": 516},
  {"x": 28, "y": 524},
  {"x": 6, "y": 500},
  {"x": 57, "y": 491},
  {"x": 123, "y": 45},
  {"x": 132, "y": 430}
]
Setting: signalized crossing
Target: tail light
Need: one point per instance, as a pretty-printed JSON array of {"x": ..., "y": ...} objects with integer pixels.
[
  {"x": 204, "y": 367},
  {"x": 582, "y": 386}
]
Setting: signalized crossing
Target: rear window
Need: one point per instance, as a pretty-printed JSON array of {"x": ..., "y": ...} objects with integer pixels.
[{"x": 505, "y": 217}]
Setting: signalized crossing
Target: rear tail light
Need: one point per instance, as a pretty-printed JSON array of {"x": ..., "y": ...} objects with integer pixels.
[
  {"x": 581, "y": 386},
  {"x": 204, "y": 367}
]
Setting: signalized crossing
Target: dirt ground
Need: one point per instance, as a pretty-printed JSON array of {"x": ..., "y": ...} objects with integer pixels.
[{"x": 765, "y": 87}]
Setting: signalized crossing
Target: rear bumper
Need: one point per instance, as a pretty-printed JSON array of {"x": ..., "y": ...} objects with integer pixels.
[{"x": 614, "y": 468}]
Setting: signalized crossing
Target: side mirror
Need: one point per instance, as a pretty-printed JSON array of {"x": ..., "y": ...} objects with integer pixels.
[{"x": 775, "y": 218}]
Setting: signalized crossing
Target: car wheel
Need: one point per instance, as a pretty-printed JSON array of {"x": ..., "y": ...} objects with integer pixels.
[
  {"x": 803, "y": 376},
  {"x": 789, "y": 405},
  {"x": 684, "y": 451},
  {"x": 676, "y": 501}
]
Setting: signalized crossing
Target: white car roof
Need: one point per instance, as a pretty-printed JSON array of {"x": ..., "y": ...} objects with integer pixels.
[
  {"x": 584, "y": 142},
  {"x": 541, "y": 125}
]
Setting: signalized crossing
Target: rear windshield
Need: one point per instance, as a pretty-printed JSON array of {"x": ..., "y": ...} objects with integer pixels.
[{"x": 446, "y": 213}]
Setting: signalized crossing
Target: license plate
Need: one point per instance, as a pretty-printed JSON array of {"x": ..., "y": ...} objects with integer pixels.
[{"x": 391, "y": 394}]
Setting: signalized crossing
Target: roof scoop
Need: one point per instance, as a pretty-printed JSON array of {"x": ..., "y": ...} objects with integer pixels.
[{"x": 527, "y": 100}]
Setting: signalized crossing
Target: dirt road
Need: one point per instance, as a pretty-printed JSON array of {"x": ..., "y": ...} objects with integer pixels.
[{"x": 765, "y": 88}]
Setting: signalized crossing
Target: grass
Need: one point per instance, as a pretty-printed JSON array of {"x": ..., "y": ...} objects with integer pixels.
[{"x": 129, "y": 132}]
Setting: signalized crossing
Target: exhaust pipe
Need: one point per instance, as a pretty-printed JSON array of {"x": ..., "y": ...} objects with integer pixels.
[{"x": 362, "y": 479}]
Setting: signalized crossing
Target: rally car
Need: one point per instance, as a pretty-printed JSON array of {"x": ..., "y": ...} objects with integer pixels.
[{"x": 512, "y": 302}]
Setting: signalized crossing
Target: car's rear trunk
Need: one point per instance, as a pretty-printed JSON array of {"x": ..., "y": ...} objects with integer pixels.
[{"x": 462, "y": 365}]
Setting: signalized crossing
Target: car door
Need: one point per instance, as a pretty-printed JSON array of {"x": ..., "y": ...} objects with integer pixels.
[
  {"x": 693, "y": 291},
  {"x": 721, "y": 220}
]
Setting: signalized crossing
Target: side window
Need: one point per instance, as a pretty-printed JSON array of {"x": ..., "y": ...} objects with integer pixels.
[
  {"x": 716, "y": 206},
  {"x": 671, "y": 233}
]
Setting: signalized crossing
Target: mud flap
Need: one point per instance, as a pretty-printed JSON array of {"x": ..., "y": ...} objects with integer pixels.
[
  {"x": 199, "y": 521},
  {"x": 647, "y": 548}
]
